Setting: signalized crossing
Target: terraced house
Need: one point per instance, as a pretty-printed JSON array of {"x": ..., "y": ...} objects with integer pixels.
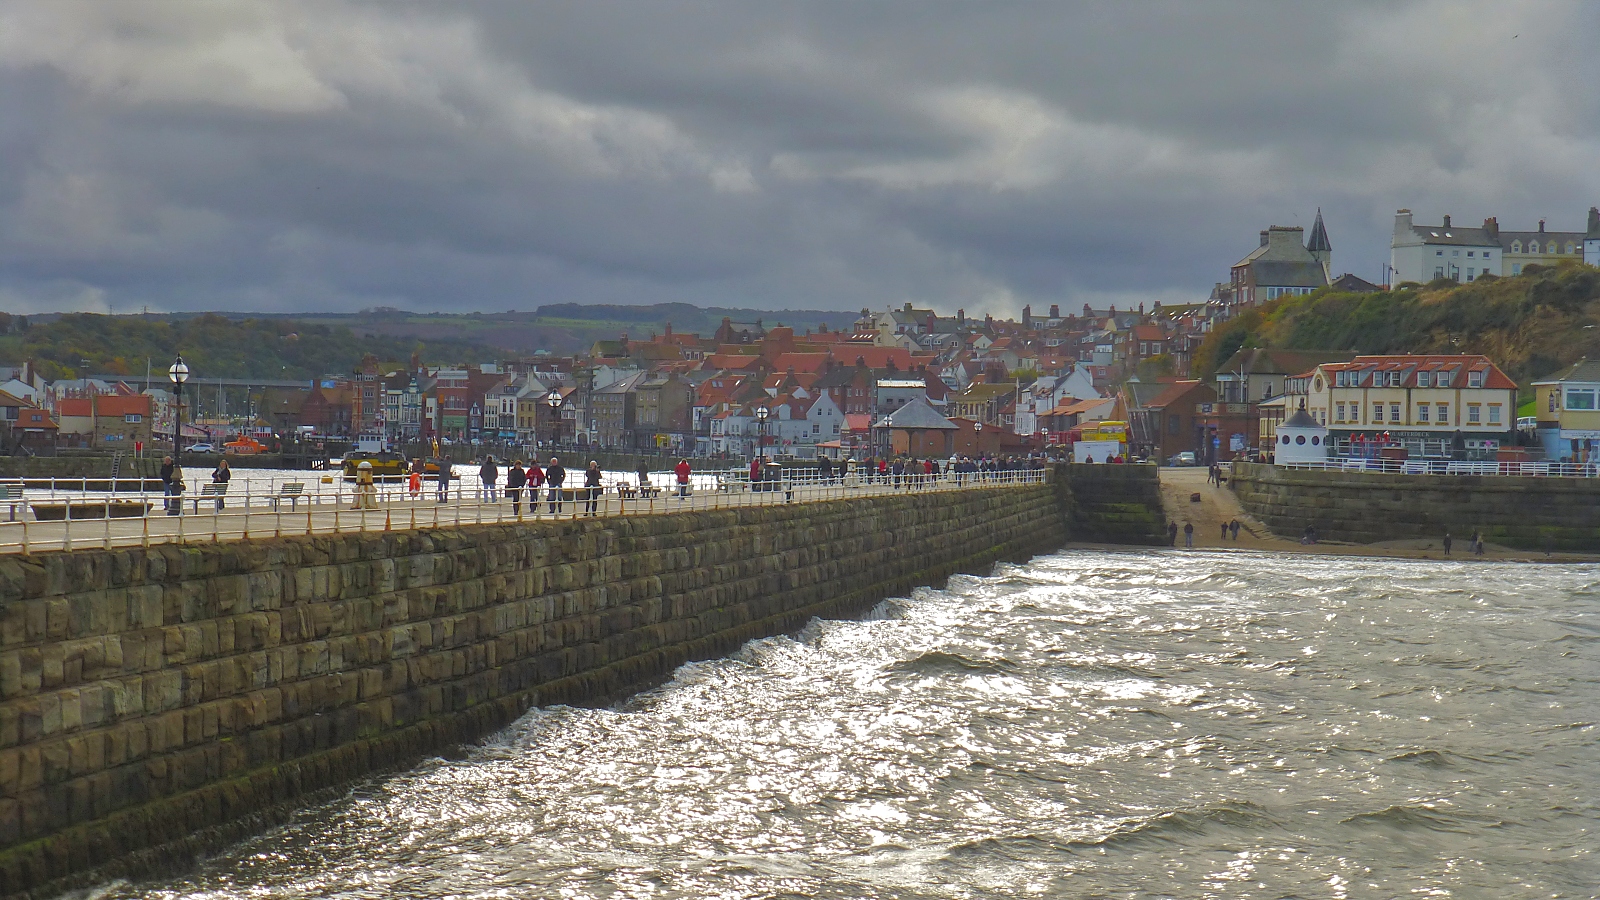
[{"x": 1432, "y": 405}]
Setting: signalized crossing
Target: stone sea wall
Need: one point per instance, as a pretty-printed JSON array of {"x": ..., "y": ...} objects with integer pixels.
[
  {"x": 1367, "y": 507},
  {"x": 157, "y": 702}
]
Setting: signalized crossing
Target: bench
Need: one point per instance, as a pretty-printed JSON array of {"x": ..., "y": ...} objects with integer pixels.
[
  {"x": 11, "y": 494},
  {"x": 728, "y": 484},
  {"x": 209, "y": 490},
  {"x": 291, "y": 491},
  {"x": 638, "y": 492}
]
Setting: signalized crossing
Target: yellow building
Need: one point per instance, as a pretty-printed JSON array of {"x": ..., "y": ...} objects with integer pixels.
[
  {"x": 1431, "y": 405},
  {"x": 1568, "y": 412}
]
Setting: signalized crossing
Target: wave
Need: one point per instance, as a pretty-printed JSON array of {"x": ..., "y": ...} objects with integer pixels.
[
  {"x": 1408, "y": 817},
  {"x": 941, "y": 663},
  {"x": 1429, "y": 758},
  {"x": 1177, "y": 827}
]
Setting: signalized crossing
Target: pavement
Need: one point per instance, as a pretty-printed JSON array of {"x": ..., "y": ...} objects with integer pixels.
[{"x": 313, "y": 514}]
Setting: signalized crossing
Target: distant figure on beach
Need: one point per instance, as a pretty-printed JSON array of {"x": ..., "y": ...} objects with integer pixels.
[
  {"x": 1234, "y": 527},
  {"x": 1447, "y": 542},
  {"x": 1224, "y": 531},
  {"x": 1309, "y": 536},
  {"x": 1477, "y": 544},
  {"x": 1172, "y": 534},
  {"x": 1188, "y": 535}
]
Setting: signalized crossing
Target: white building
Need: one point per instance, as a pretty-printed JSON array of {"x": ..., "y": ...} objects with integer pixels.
[
  {"x": 1591, "y": 238},
  {"x": 1424, "y": 253}
]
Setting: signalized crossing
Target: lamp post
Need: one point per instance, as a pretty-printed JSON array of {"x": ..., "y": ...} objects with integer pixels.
[
  {"x": 977, "y": 437},
  {"x": 179, "y": 373},
  {"x": 761, "y": 421},
  {"x": 555, "y": 400}
]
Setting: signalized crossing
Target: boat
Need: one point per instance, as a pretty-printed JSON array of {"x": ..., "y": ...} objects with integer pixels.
[{"x": 244, "y": 446}]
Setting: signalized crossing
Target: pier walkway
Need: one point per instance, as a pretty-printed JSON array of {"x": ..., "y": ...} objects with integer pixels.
[{"x": 141, "y": 520}]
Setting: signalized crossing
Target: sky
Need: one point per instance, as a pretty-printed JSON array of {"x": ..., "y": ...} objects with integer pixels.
[{"x": 331, "y": 155}]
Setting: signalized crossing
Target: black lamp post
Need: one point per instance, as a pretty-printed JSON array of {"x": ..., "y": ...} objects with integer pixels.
[
  {"x": 179, "y": 373},
  {"x": 761, "y": 421},
  {"x": 555, "y": 400}
]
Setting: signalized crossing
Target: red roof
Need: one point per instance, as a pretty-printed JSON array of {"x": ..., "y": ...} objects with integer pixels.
[
  {"x": 1414, "y": 363},
  {"x": 800, "y": 362},
  {"x": 1148, "y": 333}
]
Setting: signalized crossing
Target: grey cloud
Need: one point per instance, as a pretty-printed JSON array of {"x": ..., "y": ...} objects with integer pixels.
[{"x": 324, "y": 155}]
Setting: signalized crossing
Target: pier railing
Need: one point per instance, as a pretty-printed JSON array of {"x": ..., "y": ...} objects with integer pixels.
[
  {"x": 58, "y": 520},
  {"x": 1534, "y": 469}
]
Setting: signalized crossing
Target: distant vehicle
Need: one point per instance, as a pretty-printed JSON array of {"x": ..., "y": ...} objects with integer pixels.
[
  {"x": 1186, "y": 458},
  {"x": 1527, "y": 424},
  {"x": 244, "y": 446},
  {"x": 202, "y": 448}
]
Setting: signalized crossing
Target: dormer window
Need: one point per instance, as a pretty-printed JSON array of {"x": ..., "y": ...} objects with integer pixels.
[
  {"x": 1516, "y": 246},
  {"x": 1423, "y": 378},
  {"x": 1475, "y": 379},
  {"x": 1442, "y": 379}
]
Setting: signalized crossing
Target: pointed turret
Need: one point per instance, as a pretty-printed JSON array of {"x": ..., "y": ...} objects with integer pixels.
[{"x": 1321, "y": 248}]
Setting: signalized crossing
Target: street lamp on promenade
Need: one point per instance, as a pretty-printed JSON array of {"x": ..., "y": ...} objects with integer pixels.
[
  {"x": 555, "y": 400},
  {"x": 761, "y": 422},
  {"x": 179, "y": 373}
]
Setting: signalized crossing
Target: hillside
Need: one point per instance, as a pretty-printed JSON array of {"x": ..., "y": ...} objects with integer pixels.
[
  {"x": 567, "y": 328},
  {"x": 83, "y": 343},
  {"x": 1531, "y": 325}
]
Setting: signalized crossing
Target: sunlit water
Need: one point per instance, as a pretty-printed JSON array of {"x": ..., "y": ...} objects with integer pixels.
[{"x": 1139, "y": 724}]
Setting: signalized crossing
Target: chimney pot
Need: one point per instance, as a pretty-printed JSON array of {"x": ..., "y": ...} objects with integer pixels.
[
  {"x": 1447, "y": 221},
  {"x": 1541, "y": 226},
  {"x": 1263, "y": 237}
]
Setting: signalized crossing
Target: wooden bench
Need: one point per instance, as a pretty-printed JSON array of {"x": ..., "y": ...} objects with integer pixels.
[
  {"x": 209, "y": 490},
  {"x": 291, "y": 491},
  {"x": 638, "y": 492}
]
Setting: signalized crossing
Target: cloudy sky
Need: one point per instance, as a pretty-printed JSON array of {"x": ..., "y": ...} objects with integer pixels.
[{"x": 335, "y": 155}]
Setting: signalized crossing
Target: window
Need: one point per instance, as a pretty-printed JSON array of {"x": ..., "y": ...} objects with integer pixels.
[
  {"x": 1474, "y": 414},
  {"x": 1469, "y": 254},
  {"x": 1444, "y": 413},
  {"x": 1394, "y": 379},
  {"x": 1580, "y": 399},
  {"x": 133, "y": 418},
  {"x": 1494, "y": 414},
  {"x": 1377, "y": 412},
  {"x": 1423, "y": 378},
  {"x": 1471, "y": 272},
  {"x": 1394, "y": 412},
  {"x": 1422, "y": 413},
  {"x": 1516, "y": 246},
  {"x": 1455, "y": 252},
  {"x": 1569, "y": 248},
  {"x": 1516, "y": 268},
  {"x": 1438, "y": 272},
  {"x": 1338, "y": 415},
  {"x": 1442, "y": 379},
  {"x": 1340, "y": 379},
  {"x": 1475, "y": 379},
  {"x": 1438, "y": 253}
]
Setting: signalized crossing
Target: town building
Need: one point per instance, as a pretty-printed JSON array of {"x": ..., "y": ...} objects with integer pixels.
[
  {"x": 1434, "y": 406},
  {"x": 1284, "y": 264},
  {"x": 1426, "y": 253},
  {"x": 1567, "y": 411},
  {"x": 1591, "y": 238}
]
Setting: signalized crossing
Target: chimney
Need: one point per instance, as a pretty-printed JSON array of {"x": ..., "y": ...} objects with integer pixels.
[
  {"x": 908, "y": 306},
  {"x": 1087, "y": 312},
  {"x": 1027, "y": 316},
  {"x": 1055, "y": 311},
  {"x": 1402, "y": 224},
  {"x": 1263, "y": 237},
  {"x": 1447, "y": 221},
  {"x": 1594, "y": 222},
  {"x": 1491, "y": 227},
  {"x": 1541, "y": 224},
  {"x": 961, "y": 317},
  {"x": 1141, "y": 307}
]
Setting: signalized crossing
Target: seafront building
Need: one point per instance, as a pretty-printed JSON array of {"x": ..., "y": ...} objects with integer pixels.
[
  {"x": 1567, "y": 411},
  {"x": 1425, "y": 253},
  {"x": 1432, "y": 405}
]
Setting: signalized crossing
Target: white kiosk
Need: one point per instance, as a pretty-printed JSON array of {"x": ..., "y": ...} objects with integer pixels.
[{"x": 1301, "y": 440}]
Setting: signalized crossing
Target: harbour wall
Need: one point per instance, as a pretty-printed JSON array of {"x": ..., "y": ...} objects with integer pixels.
[
  {"x": 1367, "y": 507},
  {"x": 157, "y": 702}
]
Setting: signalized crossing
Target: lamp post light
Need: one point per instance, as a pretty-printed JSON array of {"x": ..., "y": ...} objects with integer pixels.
[
  {"x": 555, "y": 400},
  {"x": 179, "y": 373},
  {"x": 762, "y": 412},
  {"x": 977, "y": 437}
]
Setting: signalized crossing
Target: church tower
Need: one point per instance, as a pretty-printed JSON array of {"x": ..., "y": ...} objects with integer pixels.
[{"x": 1321, "y": 249}]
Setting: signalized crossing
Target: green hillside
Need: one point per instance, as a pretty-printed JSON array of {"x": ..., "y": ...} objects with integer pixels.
[
  {"x": 1531, "y": 325},
  {"x": 83, "y": 343}
]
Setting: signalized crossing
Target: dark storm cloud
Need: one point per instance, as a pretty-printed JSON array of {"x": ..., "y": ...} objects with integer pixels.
[{"x": 335, "y": 155}]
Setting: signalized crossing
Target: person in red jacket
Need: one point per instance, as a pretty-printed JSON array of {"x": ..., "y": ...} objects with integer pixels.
[
  {"x": 682, "y": 470},
  {"x": 755, "y": 473}
]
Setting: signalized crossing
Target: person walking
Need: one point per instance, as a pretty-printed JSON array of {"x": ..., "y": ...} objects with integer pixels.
[
  {"x": 755, "y": 473},
  {"x": 414, "y": 478},
  {"x": 442, "y": 478},
  {"x": 488, "y": 480},
  {"x": 898, "y": 470},
  {"x": 683, "y": 471},
  {"x": 1172, "y": 533},
  {"x": 1188, "y": 535},
  {"x": 169, "y": 477},
  {"x": 1234, "y": 527},
  {"x": 1447, "y": 542},
  {"x": 1224, "y": 531},
  {"x": 825, "y": 469},
  {"x": 515, "y": 479},
  {"x": 1477, "y": 544},
  {"x": 535, "y": 482},
  {"x": 222, "y": 475},
  {"x": 592, "y": 488},
  {"x": 554, "y": 476}
]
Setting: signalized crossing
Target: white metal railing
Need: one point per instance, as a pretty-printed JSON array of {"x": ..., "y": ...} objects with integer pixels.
[
  {"x": 57, "y": 520},
  {"x": 1540, "y": 468}
]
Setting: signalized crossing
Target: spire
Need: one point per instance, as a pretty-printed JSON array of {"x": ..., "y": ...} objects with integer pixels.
[{"x": 1319, "y": 236}]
